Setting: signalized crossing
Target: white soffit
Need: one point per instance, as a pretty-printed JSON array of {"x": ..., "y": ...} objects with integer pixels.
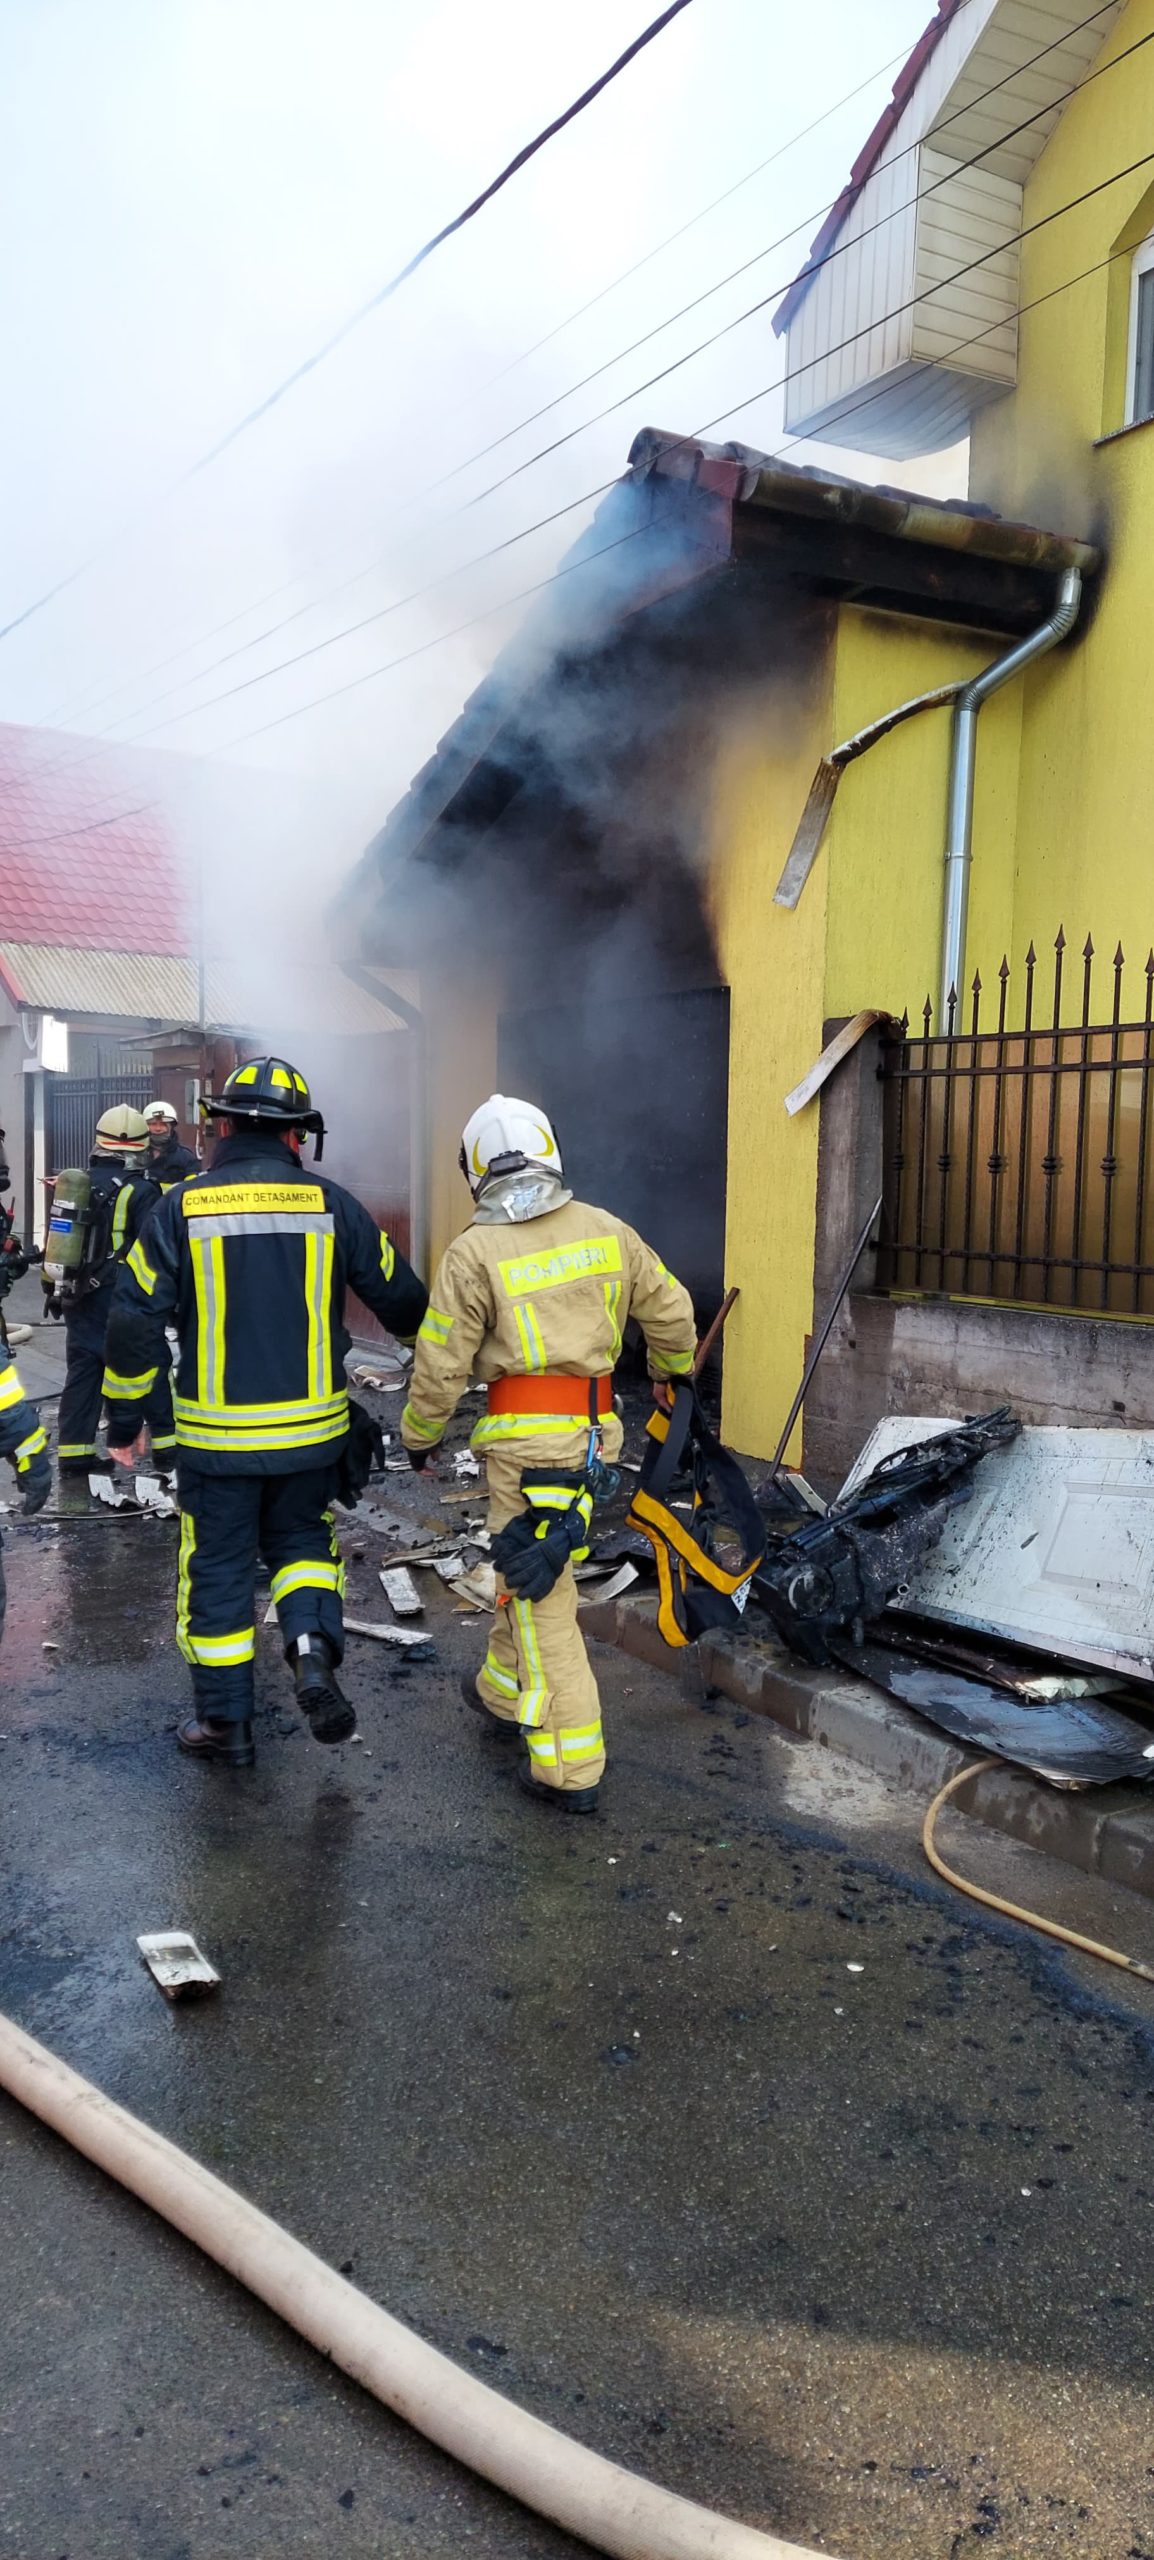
[{"x": 1054, "y": 1549}]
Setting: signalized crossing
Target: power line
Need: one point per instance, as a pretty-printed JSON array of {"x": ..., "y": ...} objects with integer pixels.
[
  {"x": 671, "y": 237},
  {"x": 311, "y": 363},
  {"x": 895, "y": 313},
  {"x": 333, "y": 639},
  {"x": 841, "y": 249},
  {"x": 61, "y": 713},
  {"x": 318, "y": 701},
  {"x": 751, "y": 312}
]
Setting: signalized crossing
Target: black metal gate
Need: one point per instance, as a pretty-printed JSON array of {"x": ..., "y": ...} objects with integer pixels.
[
  {"x": 74, "y": 1104},
  {"x": 639, "y": 1094}
]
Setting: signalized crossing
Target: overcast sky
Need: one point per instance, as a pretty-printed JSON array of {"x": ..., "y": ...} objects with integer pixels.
[{"x": 196, "y": 192}]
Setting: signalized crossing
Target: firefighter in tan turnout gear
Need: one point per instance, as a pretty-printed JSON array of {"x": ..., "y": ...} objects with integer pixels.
[{"x": 533, "y": 1299}]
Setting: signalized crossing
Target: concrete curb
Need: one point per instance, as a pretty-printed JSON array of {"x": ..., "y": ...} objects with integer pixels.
[{"x": 1104, "y": 1831}]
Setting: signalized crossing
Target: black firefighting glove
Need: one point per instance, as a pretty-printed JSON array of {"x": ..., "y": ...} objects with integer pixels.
[
  {"x": 530, "y": 1558},
  {"x": 364, "y": 1449},
  {"x": 35, "y": 1481}
]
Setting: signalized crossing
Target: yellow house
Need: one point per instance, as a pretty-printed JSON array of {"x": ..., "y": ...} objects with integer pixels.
[{"x": 604, "y": 886}]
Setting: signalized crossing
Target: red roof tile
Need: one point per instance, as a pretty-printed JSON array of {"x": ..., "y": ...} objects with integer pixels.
[{"x": 88, "y": 858}]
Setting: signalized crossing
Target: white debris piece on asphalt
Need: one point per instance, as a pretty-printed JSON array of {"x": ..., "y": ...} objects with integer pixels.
[
  {"x": 104, "y": 1489},
  {"x": 270, "y": 1614},
  {"x": 401, "y": 1591},
  {"x": 383, "y": 1634},
  {"x": 449, "y": 1567},
  {"x": 175, "y": 1961},
  {"x": 465, "y": 1464},
  {"x": 150, "y": 1493},
  {"x": 1053, "y": 1549},
  {"x": 855, "y": 1968},
  {"x": 618, "y": 1582},
  {"x": 48, "y": 1646},
  {"x": 478, "y": 1588},
  {"x": 421, "y": 1555},
  {"x": 388, "y": 1382}
]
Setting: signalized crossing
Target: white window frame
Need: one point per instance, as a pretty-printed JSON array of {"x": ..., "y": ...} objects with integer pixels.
[{"x": 1140, "y": 265}]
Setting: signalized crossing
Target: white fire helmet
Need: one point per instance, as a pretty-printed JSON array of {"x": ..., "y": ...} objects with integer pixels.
[
  {"x": 160, "y": 1111},
  {"x": 503, "y": 1137}
]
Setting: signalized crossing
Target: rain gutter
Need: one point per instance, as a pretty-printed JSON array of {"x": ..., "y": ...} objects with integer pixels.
[{"x": 966, "y": 698}]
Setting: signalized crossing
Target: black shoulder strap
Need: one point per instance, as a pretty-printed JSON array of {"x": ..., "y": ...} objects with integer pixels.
[{"x": 695, "y": 1589}]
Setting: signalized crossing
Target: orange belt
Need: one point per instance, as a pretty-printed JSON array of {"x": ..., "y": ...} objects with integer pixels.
[{"x": 551, "y": 1393}]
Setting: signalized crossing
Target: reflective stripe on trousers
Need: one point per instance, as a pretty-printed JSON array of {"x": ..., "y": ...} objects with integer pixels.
[{"x": 537, "y": 1672}]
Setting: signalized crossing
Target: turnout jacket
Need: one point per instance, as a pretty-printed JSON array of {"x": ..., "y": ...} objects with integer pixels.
[
  {"x": 170, "y": 1164},
  {"x": 22, "y": 1434},
  {"x": 251, "y": 1261},
  {"x": 545, "y": 1294}
]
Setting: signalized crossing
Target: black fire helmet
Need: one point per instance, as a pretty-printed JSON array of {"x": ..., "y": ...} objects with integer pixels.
[{"x": 270, "y": 1092}]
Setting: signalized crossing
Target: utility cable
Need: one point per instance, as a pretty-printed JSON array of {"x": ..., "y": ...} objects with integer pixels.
[
  {"x": 1052, "y": 293},
  {"x": 879, "y": 321},
  {"x": 839, "y": 250},
  {"x": 1026, "y": 233},
  {"x": 61, "y": 713},
  {"x": 1014, "y": 1910},
  {"x": 333, "y": 639},
  {"x": 318, "y": 701},
  {"x": 836, "y": 250},
  {"x": 671, "y": 237},
  {"x": 567, "y": 568},
  {"x": 384, "y": 294}
]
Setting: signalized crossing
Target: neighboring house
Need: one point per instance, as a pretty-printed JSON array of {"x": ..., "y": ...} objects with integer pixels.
[
  {"x": 113, "y": 987},
  {"x": 584, "y": 877}
]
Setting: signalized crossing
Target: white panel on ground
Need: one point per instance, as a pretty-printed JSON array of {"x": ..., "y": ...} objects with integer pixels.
[{"x": 1054, "y": 1549}]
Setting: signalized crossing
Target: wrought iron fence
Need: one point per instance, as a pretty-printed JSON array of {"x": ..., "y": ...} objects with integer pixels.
[
  {"x": 74, "y": 1105},
  {"x": 1017, "y": 1160}
]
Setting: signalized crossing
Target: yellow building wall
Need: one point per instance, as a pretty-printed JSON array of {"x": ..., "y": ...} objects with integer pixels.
[
  {"x": 866, "y": 931},
  {"x": 1085, "y": 828},
  {"x": 774, "y": 964}
]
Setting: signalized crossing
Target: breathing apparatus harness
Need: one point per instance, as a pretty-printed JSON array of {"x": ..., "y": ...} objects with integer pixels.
[{"x": 704, "y": 1564}]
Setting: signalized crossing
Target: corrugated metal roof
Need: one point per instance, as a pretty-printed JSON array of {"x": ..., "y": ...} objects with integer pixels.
[{"x": 139, "y": 986}]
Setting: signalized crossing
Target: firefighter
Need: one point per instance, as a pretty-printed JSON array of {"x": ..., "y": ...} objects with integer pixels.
[
  {"x": 534, "y": 1298},
  {"x": 24, "y": 1441},
  {"x": 251, "y": 1262},
  {"x": 168, "y": 1160},
  {"x": 122, "y": 1201}
]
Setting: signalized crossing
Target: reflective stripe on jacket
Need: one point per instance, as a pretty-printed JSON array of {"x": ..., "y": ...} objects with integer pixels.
[
  {"x": 551, "y": 1294},
  {"x": 251, "y": 1262}
]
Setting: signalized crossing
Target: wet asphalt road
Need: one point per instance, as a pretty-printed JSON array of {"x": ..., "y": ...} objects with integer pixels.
[{"x": 714, "y": 2130}]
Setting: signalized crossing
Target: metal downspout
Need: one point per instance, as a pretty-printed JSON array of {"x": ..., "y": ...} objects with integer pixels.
[{"x": 963, "y": 756}]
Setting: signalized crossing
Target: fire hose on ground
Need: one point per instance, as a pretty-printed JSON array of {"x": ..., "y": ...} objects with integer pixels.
[
  {"x": 612, "y": 2509},
  {"x": 997, "y": 1902}
]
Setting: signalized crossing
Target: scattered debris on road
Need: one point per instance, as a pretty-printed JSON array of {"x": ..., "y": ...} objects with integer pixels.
[{"x": 175, "y": 1962}]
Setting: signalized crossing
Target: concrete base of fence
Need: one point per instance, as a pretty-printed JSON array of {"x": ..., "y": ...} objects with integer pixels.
[{"x": 1103, "y": 1831}]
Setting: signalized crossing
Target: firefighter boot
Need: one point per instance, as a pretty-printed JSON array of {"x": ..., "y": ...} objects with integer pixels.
[
  {"x": 503, "y": 1727},
  {"x": 213, "y": 1738},
  {"x": 569, "y": 1800},
  {"x": 330, "y": 1716}
]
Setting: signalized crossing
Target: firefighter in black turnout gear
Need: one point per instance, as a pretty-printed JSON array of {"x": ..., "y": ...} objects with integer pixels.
[
  {"x": 121, "y": 1202},
  {"x": 168, "y": 1160},
  {"x": 15, "y": 1259},
  {"x": 251, "y": 1262},
  {"x": 24, "y": 1441}
]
